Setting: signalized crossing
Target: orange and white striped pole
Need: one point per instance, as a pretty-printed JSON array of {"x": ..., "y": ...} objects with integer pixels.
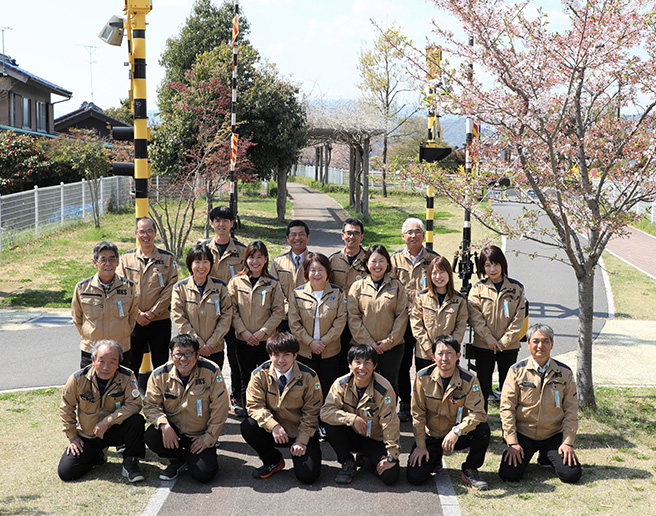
[{"x": 234, "y": 141}]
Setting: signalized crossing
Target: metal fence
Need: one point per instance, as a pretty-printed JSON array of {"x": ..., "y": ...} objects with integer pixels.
[
  {"x": 28, "y": 215},
  {"x": 647, "y": 209}
]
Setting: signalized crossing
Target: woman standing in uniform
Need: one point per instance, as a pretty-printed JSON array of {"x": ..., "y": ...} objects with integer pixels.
[
  {"x": 317, "y": 316},
  {"x": 437, "y": 310},
  {"x": 257, "y": 309},
  {"x": 201, "y": 305},
  {"x": 497, "y": 309},
  {"x": 378, "y": 312}
]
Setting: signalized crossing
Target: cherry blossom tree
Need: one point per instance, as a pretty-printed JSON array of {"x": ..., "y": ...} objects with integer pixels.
[{"x": 568, "y": 118}]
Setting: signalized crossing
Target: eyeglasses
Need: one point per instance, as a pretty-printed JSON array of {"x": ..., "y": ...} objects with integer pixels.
[
  {"x": 105, "y": 259},
  {"x": 144, "y": 232},
  {"x": 352, "y": 233},
  {"x": 413, "y": 232},
  {"x": 186, "y": 354}
]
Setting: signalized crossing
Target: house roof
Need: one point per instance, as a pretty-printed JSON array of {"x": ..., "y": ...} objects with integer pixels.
[
  {"x": 84, "y": 112},
  {"x": 11, "y": 68}
]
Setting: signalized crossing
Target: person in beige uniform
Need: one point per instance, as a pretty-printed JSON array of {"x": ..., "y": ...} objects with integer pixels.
[
  {"x": 258, "y": 306},
  {"x": 283, "y": 402},
  {"x": 360, "y": 415},
  {"x": 378, "y": 313},
  {"x": 286, "y": 268},
  {"x": 447, "y": 415},
  {"x": 437, "y": 310},
  {"x": 539, "y": 412},
  {"x": 153, "y": 272},
  {"x": 186, "y": 405},
  {"x": 202, "y": 306},
  {"x": 317, "y": 316},
  {"x": 348, "y": 266},
  {"x": 410, "y": 266},
  {"x": 101, "y": 407},
  {"x": 228, "y": 260},
  {"x": 497, "y": 309},
  {"x": 104, "y": 306}
]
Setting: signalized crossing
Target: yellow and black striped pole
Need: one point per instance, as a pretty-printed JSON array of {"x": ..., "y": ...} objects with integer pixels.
[{"x": 430, "y": 216}]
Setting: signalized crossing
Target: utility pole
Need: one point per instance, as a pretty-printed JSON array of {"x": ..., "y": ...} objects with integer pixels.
[
  {"x": 234, "y": 140},
  {"x": 92, "y": 50}
]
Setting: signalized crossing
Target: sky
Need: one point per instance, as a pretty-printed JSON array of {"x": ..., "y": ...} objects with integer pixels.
[{"x": 315, "y": 43}]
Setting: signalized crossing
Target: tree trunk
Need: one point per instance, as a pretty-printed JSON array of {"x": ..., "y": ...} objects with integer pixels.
[
  {"x": 585, "y": 386},
  {"x": 329, "y": 149},
  {"x": 317, "y": 158},
  {"x": 351, "y": 176},
  {"x": 281, "y": 199},
  {"x": 365, "y": 179},
  {"x": 384, "y": 163},
  {"x": 208, "y": 201},
  {"x": 358, "y": 176}
]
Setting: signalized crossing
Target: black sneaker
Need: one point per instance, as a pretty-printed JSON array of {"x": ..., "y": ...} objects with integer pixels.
[
  {"x": 120, "y": 448},
  {"x": 175, "y": 467},
  {"x": 544, "y": 461},
  {"x": 348, "y": 471},
  {"x": 268, "y": 469},
  {"x": 101, "y": 459},
  {"x": 404, "y": 411},
  {"x": 471, "y": 478},
  {"x": 131, "y": 470}
]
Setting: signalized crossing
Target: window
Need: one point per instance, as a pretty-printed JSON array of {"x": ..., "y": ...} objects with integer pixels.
[
  {"x": 41, "y": 117},
  {"x": 27, "y": 113}
]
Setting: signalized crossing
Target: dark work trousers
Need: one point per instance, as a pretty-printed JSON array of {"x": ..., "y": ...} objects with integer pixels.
[
  {"x": 157, "y": 335},
  {"x": 129, "y": 433},
  {"x": 388, "y": 365},
  {"x": 421, "y": 363},
  {"x": 326, "y": 368},
  {"x": 345, "y": 340},
  {"x": 235, "y": 374},
  {"x": 477, "y": 441},
  {"x": 485, "y": 362},
  {"x": 405, "y": 386},
  {"x": 345, "y": 440},
  {"x": 547, "y": 447},
  {"x": 217, "y": 358},
  {"x": 202, "y": 466},
  {"x": 249, "y": 358},
  {"x": 307, "y": 468},
  {"x": 85, "y": 360}
]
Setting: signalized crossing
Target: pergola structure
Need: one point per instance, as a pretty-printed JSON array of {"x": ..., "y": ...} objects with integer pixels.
[{"x": 351, "y": 125}]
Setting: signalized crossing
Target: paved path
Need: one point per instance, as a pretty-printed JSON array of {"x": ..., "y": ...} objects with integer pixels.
[{"x": 638, "y": 249}]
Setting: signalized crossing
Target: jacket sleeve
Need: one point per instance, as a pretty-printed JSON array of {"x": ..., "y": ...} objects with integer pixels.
[
  {"x": 475, "y": 408},
  {"x": 400, "y": 319},
  {"x": 180, "y": 316},
  {"x": 134, "y": 309},
  {"x": 68, "y": 408},
  {"x": 418, "y": 411},
  {"x": 461, "y": 320},
  {"x": 277, "y": 310},
  {"x": 164, "y": 298},
  {"x": 309, "y": 422},
  {"x": 515, "y": 327},
  {"x": 571, "y": 408},
  {"x": 338, "y": 324},
  {"x": 224, "y": 322},
  {"x": 76, "y": 310},
  {"x": 256, "y": 405},
  {"x": 418, "y": 327},
  {"x": 476, "y": 317},
  {"x": 154, "y": 403},
  {"x": 218, "y": 409},
  {"x": 358, "y": 330},
  {"x": 296, "y": 322},
  {"x": 131, "y": 405},
  {"x": 508, "y": 408},
  {"x": 237, "y": 322},
  {"x": 391, "y": 425},
  {"x": 333, "y": 411}
]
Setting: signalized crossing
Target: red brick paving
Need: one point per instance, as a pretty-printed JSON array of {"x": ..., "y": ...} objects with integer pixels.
[{"x": 638, "y": 248}]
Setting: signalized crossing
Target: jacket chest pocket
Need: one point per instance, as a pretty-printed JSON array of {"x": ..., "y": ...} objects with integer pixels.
[
  {"x": 433, "y": 404},
  {"x": 529, "y": 393},
  {"x": 92, "y": 306},
  {"x": 430, "y": 316},
  {"x": 89, "y": 406},
  {"x": 157, "y": 278}
]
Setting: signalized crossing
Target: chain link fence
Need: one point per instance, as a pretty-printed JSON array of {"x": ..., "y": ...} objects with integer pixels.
[{"x": 31, "y": 214}]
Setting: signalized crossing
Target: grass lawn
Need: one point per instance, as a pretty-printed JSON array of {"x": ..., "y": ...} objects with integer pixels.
[{"x": 617, "y": 447}]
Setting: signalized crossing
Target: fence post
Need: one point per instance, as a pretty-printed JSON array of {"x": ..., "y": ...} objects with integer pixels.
[
  {"x": 36, "y": 209},
  {"x": 84, "y": 202},
  {"x": 61, "y": 196},
  {"x": 101, "y": 197}
]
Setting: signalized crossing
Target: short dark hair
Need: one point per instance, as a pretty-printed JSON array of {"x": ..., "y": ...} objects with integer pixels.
[
  {"x": 362, "y": 352},
  {"x": 296, "y": 223},
  {"x": 283, "y": 342},
  {"x": 380, "y": 249},
  {"x": 199, "y": 252},
  {"x": 352, "y": 221},
  {"x": 152, "y": 222},
  {"x": 319, "y": 258},
  {"x": 494, "y": 255},
  {"x": 104, "y": 246},
  {"x": 441, "y": 263},
  {"x": 256, "y": 246},
  {"x": 184, "y": 340},
  {"x": 221, "y": 212},
  {"x": 110, "y": 343},
  {"x": 449, "y": 340}
]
